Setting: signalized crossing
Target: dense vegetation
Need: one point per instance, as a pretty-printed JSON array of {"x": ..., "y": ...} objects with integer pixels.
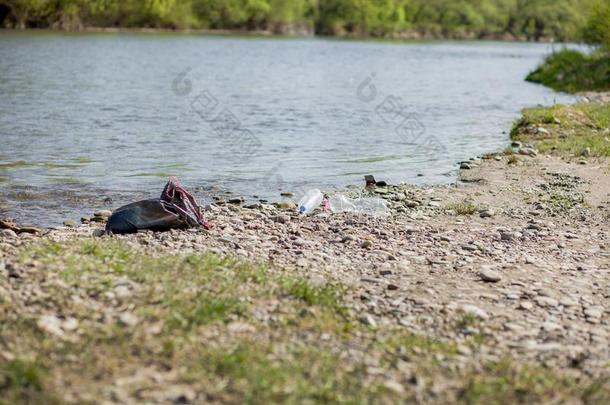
[
  {"x": 574, "y": 71},
  {"x": 524, "y": 19}
]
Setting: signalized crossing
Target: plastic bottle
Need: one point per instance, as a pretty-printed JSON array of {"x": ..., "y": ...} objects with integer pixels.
[
  {"x": 310, "y": 201},
  {"x": 370, "y": 206}
]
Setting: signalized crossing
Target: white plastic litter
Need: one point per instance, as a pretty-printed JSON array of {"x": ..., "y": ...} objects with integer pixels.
[
  {"x": 366, "y": 205},
  {"x": 310, "y": 201}
]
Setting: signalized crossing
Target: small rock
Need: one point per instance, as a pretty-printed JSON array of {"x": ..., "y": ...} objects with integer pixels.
[
  {"x": 368, "y": 319},
  {"x": 526, "y": 305},
  {"x": 366, "y": 244},
  {"x": 394, "y": 386},
  {"x": 474, "y": 310},
  {"x": 287, "y": 205},
  {"x": 98, "y": 233},
  {"x": 70, "y": 223},
  {"x": 489, "y": 274},
  {"x": 582, "y": 162},
  {"x": 464, "y": 350},
  {"x": 128, "y": 319},
  {"x": 236, "y": 200},
  {"x": 546, "y": 301},
  {"x": 7, "y": 233},
  {"x": 506, "y": 236},
  {"x": 487, "y": 213},
  {"x": 528, "y": 152},
  {"x": 103, "y": 213},
  {"x": 287, "y": 194},
  {"x": 465, "y": 166}
]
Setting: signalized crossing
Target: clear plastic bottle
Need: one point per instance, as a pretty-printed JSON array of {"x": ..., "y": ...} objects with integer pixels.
[
  {"x": 310, "y": 201},
  {"x": 370, "y": 206}
]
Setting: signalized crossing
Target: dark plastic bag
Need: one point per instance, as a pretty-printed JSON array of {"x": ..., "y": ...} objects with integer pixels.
[{"x": 175, "y": 209}]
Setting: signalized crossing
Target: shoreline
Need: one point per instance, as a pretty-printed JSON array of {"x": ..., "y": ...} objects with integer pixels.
[
  {"x": 492, "y": 289},
  {"x": 411, "y": 36}
]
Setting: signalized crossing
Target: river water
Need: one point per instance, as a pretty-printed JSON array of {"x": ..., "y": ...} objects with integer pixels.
[{"x": 91, "y": 121}]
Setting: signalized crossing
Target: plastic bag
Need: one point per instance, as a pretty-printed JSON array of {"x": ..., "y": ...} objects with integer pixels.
[
  {"x": 370, "y": 205},
  {"x": 176, "y": 208}
]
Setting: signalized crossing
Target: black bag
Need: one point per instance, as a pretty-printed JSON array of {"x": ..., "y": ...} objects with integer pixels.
[{"x": 175, "y": 209}]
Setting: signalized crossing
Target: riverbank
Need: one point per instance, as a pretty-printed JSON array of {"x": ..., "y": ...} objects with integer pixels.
[{"x": 494, "y": 289}]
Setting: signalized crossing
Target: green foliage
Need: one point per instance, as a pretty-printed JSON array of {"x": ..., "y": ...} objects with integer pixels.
[
  {"x": 597, "y": 29},
  {"x": 527, "y": 19},
  {"x": 570, "y": 129},
  {"x": 573, "y": 71}
]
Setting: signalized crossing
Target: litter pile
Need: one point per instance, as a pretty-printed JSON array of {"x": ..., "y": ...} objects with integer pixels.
[{"x": 176, "y": 208}]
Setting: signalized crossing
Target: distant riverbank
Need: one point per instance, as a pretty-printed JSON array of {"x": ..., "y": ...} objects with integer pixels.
[{"x": 297, "y": 32}]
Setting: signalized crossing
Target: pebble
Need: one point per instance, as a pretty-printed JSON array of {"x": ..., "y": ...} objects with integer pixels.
[
  {"x": 7, "y": 233},
  {"x": 487, "y": 273},
  {"x": 465, "y": 166},
  {"x": 506, "y": 236},
  {"x": 487, "y": 213},
  {"x": 103, "y": 213},
  {"x": 546, "y": 301},
  {"x": 69, "y": 223},
  {"x": 368, "y": 319},
  {"x": 526, "y": 305},
  {"x": 474, "y": 310},
  {"x": 128, "y": 319}
]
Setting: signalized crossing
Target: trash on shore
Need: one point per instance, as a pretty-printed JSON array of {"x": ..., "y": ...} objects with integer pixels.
[
  {"x": 176, "y": 208},
  {"x": 340, "y": 203},
  {"x": 310, "y": 201},
  {"x": 365, "y": 205}
]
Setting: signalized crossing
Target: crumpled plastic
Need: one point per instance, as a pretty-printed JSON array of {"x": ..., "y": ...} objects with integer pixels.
[{"x": 175, "y": 209}]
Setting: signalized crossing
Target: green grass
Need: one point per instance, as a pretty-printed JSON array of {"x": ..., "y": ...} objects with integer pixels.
[
  {"x": 233, "y": 332},
  {"x": 569, "y": 128},
  {"x": 505, "y": 382},
  {"x": 573, "y": 71},
  {"x": 462, "y": 208}
]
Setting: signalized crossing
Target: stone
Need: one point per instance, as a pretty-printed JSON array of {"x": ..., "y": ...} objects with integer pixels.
[
  {"x": 103, "y": 213},
  {"x": 506, "y": 236},
  {"x": 526, "y": 305},
  {"x": 487, "y": 213},
  {"x": 7, "y": 233},
  {"x": 69, "y": 223},
  {"x": 465, "y": 166},
  {"x": 394, "y": 386},
  {"x": 528, "y": 152},
  {"x": 366, "y": 244},
  {"x": 593, "y": 312},
  {"x": 474, "y": 310},
  {"x": 50, "y": 324},
  {"x": 368, "y": 319},
  {"x": 128, "y": 319},
  {"x": 487, "y": 273},
  {"x": 546, "y": 301},
  {"x": 287, "y": 205},
  {"x": 287, "y": 194}
]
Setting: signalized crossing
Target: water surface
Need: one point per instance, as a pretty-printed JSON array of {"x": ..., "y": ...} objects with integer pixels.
[{"x": 96, "y": 120}]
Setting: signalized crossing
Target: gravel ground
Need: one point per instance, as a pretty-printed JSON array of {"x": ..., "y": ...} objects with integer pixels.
[{"x": 514, "y": 256}]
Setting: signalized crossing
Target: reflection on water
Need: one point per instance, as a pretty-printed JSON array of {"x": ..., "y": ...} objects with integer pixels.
[{"x": 91, "y": 121}]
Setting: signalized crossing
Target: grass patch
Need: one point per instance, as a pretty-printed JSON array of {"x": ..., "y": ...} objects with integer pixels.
[
  {"x": 21, "y": 382},
  {"x": 566, "y": 129},
  {"x": 232, "y": 332},
  {"x": 507, "y": 382},
  {"x": 462, "y": 208},
  {"x": 573, "y": 71}
]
